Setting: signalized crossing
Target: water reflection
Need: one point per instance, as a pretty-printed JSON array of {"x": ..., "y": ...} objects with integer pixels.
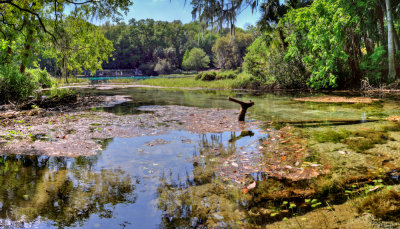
[
  {"x": 203, "y": 200},
  {"x": 64, "y": 191}
]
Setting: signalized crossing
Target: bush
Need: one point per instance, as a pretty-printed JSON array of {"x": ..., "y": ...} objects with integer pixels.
[
  {"x": 248, "y": 81},
  {"x": 226, "y": 75},
  {"x": 265, "y": 60},
  {"x": 212, "y": 75},
  {"x": 209, "y": 76},
  {"x": 163, "y": 67},
  {"x": 198, "y": 76},
  {"x": 42, "y": 78},
  {"x": 197, "y": 59},
  {"x": 373, "y": 65},
  {"x": 147, "y": 69},
  {"x": 15, "y": 86}
]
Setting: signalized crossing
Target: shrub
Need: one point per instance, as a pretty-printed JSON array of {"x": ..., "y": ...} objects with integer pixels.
[
  {"x": 226, "y": 75},
  {"x": 198, "y": 76},
  {"x": 163, "y": 66},
  {"x": 372, "y": 65},
  {"x": 197, "y": 59},
  {"x": 248, "y": 81},
  {"x": 42, "y": 78},
  {"x": 212, "y": 75},
  {"x": 147, "y": 68},
  {"x": 14, "y": 86},
  {"x": 265, "y": 60},
  {"x": 209, "y": 76}
]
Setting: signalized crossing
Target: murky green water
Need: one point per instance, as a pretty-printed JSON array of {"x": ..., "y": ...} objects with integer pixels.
[{"x": 163, "y": 181}]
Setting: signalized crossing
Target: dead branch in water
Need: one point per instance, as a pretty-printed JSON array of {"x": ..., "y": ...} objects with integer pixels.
[{"x": 244, "y": 107}]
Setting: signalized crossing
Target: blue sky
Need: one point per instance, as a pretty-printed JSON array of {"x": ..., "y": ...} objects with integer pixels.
[{"x": 166, "y": 10}]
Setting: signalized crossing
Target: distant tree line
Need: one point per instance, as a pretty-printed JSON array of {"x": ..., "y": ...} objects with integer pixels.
[{"x": 159, "y": 47}]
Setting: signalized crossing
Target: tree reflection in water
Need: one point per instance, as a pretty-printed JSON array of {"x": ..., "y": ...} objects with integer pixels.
[
  {"x": 203, "y": 200},
  {"x": 66, "y": 191}
]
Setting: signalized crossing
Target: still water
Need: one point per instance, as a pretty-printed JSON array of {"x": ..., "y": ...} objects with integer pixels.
[{"x": 162, "y": 181}]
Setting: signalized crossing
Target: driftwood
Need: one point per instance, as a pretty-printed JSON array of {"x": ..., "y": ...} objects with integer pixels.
[{"x": 244, "y": 105}]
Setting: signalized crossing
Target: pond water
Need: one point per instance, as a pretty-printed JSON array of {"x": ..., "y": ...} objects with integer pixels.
[{"x": 176, "y": 179}]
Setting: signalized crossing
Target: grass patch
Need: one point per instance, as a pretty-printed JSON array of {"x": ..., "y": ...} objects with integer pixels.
[
  {"x": 62, "y": 81},
  {"x": 190, "y": 82}
]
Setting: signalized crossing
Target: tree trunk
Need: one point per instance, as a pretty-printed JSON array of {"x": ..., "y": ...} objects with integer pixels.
[
  {"x": 395, "y": 39},
  {"x": 392, "y": 67},
  {"x": 282, "y": 37},
  {"x": 352, "y": 49},
  {"x": 379, "y": 12},
  {"x": 244, "y": 107},
  {"x": 9, "y": 53},
  {"x": 64, "y": 70},
  {"x": 369, "y": 46},
  {"x": 27, "y": 46}
]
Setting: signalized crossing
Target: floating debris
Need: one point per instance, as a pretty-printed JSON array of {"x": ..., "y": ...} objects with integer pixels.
[{"x": 157, "y": 142}]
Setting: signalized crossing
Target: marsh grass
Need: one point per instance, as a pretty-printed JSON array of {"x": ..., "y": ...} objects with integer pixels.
[
  {"x": 62, "y": 81},
  {"x": 190, "y": 82}
]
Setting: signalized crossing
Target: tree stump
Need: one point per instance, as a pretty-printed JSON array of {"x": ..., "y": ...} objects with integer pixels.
[{"x": 244, "y": 107}]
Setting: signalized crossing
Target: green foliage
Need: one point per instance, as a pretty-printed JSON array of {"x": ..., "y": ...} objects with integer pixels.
[
  {"x": 42, "y": 77},
  {"x": 61, "y": 93},
  {"x": 146, "y": 41},
  {"x": 197, "y": 60},
  {"x": 265, "y": 61},
  {"x": 14, "y": 86},
  {"x": 32, "y": 28},
  {"x": 226, "y": 75},
  {"x": 186, "y": 56},
  {"x": 163, "y": 66},
  {"x": 147, "y": 69},
  {"x": 199, "y": 76},
  {"x": 255, "y": 61},
  {"x": 230, "y": 51},
  {"x": 209, "y": 76},
  {"x": 248, "y": 81},
  {"x": 319, "y": 38},
  {"x": 213, "y": 75},
  {"x": 372, "y": 65}
]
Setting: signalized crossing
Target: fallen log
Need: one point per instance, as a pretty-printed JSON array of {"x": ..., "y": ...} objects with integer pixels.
[{"x": 244, "y": 107}]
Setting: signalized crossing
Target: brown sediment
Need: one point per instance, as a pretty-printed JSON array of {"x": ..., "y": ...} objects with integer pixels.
[
  {"x": 74, "y": 133},
  {"x": 336, "y": 99}
]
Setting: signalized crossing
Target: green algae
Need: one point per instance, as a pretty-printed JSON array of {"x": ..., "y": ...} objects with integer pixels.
[
  {"x": 366, "y": 139},
  {"x": 331, "y": 135}
]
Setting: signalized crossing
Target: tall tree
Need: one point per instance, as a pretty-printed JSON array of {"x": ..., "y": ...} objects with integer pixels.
[
  {"x": 391, "y": 50},
  {"x": 32, "y": 20}
]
